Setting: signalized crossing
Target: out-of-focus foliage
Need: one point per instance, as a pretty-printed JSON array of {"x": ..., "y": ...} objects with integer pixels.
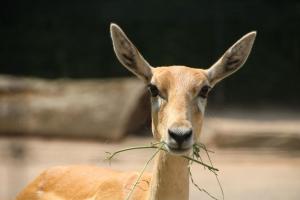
[{"x": 71, "y": 39}]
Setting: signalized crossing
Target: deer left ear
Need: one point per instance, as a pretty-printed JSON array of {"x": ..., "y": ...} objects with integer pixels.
[
  {"x": 129, "y": 55},
  {"x": 232, "y": 60}
]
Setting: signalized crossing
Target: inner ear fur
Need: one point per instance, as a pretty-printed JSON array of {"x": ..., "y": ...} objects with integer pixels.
[
  {"x": 232, "y": 60},
  {"x": 129, "y": 55}
]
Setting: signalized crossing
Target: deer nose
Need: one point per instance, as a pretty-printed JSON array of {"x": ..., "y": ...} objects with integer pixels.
[{"x": 180, "y": 135}]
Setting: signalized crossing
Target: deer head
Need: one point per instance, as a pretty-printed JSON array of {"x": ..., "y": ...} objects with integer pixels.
[{"x": 179, "y": 93}]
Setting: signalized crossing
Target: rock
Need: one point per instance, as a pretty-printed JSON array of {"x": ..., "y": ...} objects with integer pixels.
[{"x": 78, "y": 108}]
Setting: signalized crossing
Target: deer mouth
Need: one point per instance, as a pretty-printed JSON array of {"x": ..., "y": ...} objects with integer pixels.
[{"x": 177, "y": 150}]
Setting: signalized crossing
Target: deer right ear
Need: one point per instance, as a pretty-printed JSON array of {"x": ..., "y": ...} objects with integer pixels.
[
  {"x": 128, "y": 54},
  {"x": 232, "y": 60}
]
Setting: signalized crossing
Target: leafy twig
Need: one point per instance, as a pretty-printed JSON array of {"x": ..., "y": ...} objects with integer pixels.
[
  {"x": 154, "y": 146},
  {"x": 216, "y": 175},
  {"x": 196, "y": 151},
  {"x": 201, "y": 163},
  {"x": 111, "y": 155},
  {"x": 159, "y": 146},
  {"x": 197, "y": 186},
  {"x": 141, "y": 173}
]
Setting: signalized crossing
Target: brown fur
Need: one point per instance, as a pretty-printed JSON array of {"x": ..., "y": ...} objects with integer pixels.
[
  {"x": 84, "y": 183},
  {"x": 179, "y": 86}
]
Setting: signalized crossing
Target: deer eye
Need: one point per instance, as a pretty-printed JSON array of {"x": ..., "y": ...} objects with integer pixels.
[
  {"x": 204, "y": 91},
  {"x": 153, "y": 90}
]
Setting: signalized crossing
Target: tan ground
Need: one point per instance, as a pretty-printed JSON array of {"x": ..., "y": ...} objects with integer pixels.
[{"x": 245, "y": 174}]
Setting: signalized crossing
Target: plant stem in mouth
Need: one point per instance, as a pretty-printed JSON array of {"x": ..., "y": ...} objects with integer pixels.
[{"x": 161, "y": 146}]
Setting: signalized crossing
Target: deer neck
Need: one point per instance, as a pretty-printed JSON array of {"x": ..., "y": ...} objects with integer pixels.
[{"x": 170, "y": 179}]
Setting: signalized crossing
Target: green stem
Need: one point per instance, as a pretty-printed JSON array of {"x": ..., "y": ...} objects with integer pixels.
[
  {"x": 197, "y": 161},
  {"x": 216, "y": 175},
  {"x": 142, "y": 172},
  {"x": 111, "y": 155},
  {"x": 160, "y": 147},
  {"x": 198, "y": 187},
  {"x": 153, "y": 146}
]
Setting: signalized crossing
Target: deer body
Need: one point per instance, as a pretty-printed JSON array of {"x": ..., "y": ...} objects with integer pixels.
[
  {"x": 84, "y": 183},
  {"x": 178, "y": 98}
]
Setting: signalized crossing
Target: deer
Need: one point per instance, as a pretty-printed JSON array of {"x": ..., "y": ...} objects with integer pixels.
[{"x": 178, "y": 100}]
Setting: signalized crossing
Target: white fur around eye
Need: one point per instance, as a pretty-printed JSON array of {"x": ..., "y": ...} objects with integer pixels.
[
  {"x": 157, "y": 102},
  {"x": 201, "y": 102}
]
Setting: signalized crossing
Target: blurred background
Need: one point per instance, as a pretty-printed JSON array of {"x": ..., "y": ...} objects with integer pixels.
[{"x": 65, "y": 99}]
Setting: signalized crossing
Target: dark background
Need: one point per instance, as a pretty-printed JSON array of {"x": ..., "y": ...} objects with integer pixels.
[{"x": 70, "y": 39}]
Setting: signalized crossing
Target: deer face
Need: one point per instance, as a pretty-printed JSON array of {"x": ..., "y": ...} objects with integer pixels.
[
  {"x": 179, "y": 93},
  {"x": 178, "y": 97}
]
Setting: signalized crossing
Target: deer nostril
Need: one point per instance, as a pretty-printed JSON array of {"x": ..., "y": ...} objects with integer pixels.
[
  {"x": 179, "y": 135},
  {"x": 173, "y": 135},
  {"x": 188, "y": 134}
]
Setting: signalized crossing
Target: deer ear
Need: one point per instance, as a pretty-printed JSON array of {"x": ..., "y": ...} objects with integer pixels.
[
  {"x": 232, "y": 60},
  {"x": 128, "y": 54}
]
